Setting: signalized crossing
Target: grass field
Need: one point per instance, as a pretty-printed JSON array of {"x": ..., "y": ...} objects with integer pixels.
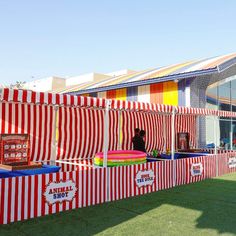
[{"x": 204, "y": 208}]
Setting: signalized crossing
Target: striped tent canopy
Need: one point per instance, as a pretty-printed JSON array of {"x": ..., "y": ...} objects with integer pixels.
[
  {"x": 151, "y": 76},
  {"x": 27, "y": 96}
]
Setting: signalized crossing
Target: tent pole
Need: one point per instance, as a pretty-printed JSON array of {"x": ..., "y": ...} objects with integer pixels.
[
  {"x": 54, "y": 141},
  {"x": 105, "y": 148},
  {"x": 215, "y": 135},
  {"x": 164, "y": 125},
  {"x": 215, "y": 150},
  {"x": 173, "y": 146},
  {"x": 106, "y": 134},
  {"x": 119, "y": 130},
  {"x": 173, "y": 135}
]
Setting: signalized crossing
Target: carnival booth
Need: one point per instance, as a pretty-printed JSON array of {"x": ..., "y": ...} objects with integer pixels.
[{"x": 72, "y": 133}]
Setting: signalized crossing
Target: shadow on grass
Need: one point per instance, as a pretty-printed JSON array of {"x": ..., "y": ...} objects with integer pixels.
[{"x": 210, "y": 204}]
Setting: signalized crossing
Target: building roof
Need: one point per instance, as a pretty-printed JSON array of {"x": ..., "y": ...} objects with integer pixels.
[{"x": 174, "y": 72}]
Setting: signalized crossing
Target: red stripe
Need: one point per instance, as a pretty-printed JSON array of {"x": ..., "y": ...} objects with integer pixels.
[
  {"x": 9, "y": 202},
  {"x": 24, "y": 96},
  {"x": 105, "y": 185},
  {"x": 71, "y": 178},
  {"x": 50, "y": 206},
  {"x": 29, "y": 196},
  {"x": 96, "y": 189},
  {"x": 77, "y": 185},
  {"x": 88, "y": 191},
  {"x": 10, "y": 118},
  {"x": 36, "y": 197},
  {"x": 65, "y": 133},
  {"x": 3, "y": 106},
  {"x": 64, "y": 202},
  {"x": 34, "y": 138},
  {"x": 16, "y": 198},
  {"x": 43, "y": 202},
  {"x": 41, "y": 98},
  {"x": 6, "y": 94},
  {"x": 2, "y": 203},
  {"x": 23, "y": 198},
  {"x": 51, "y": 121}
]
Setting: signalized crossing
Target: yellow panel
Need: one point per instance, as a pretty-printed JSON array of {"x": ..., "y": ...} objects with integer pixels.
[
  {"x": 121, "y": 94},
  {"x": 170, "y": 93}
]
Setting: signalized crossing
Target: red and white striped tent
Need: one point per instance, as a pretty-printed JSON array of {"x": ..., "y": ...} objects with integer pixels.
[{"x": 65, "y": 127}]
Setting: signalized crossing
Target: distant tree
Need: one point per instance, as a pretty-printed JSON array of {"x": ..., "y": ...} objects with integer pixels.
[{"x": 17, "y": 85}]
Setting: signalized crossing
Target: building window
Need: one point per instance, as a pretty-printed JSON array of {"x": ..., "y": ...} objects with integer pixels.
[{"x": 222, "y": 96}]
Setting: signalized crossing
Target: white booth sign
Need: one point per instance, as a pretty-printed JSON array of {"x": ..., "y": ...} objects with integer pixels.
[
  {"x": 144, "y": 178},
  {"x": 232, "y": 162},
  {"x": 196, "y": 169},
  {"x": 60, "y": 191}
]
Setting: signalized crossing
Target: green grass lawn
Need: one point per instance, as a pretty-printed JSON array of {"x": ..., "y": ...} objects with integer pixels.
[{"x": 204, "y": 208}]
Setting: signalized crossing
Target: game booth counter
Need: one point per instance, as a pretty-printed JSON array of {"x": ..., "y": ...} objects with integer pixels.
[{"x": 67, "y": 132}]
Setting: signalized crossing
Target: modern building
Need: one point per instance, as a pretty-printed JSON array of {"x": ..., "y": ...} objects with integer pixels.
[
  {"x": 46, "y": 84},
  {"x": 207, "y": 83}
]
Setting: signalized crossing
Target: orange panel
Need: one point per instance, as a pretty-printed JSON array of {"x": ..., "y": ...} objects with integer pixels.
[
  {"x": 156, "y": 93},
  {"x": 85, "y": 95}
]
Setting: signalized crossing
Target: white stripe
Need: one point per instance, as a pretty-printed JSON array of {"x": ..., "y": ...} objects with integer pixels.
[
  {"x": 13, "y": 193},
  {"x": 32, "y": 197},
  {"x": 45, "y": 98},
  {"x": 19, "y": 210},
  {"x": 73, "y": 130},
  {"x": 39, "y": 195},
  {"x": 62, "y": 130},
  {"x": 26, "y": 198},
  {"x": 75, "y": 101},
  {"x": 89, "y": 187},
  {"x": 54, "y": 179},
  {"x": 102, "y": 185},
  {"x": 46, "y": 204},
  {"x": 29, "y": 96},
  {"x": 53, "y": 98},
  {"x": 6, "y": 117},
  {"x": 75, "y": 179},
  {"x": 10, "y": 96},
  {"x": 68, "y": 132},
  {"x": 84, "y": 187},
  {"x": 38, "y": 119},
  {"x": 94, "y": 183},
  {"x": 61, "y": 100},
  {"x": 20, "y": 93},
  {"x": 6, "y": 192},
  {"x": 67, "y": 178},
  {"x": 33, "y": 117},
  {"x": 37, "y": 98}
]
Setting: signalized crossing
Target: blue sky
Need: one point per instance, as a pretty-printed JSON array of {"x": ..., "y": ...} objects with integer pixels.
[{"x": 68, "y": 38}]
